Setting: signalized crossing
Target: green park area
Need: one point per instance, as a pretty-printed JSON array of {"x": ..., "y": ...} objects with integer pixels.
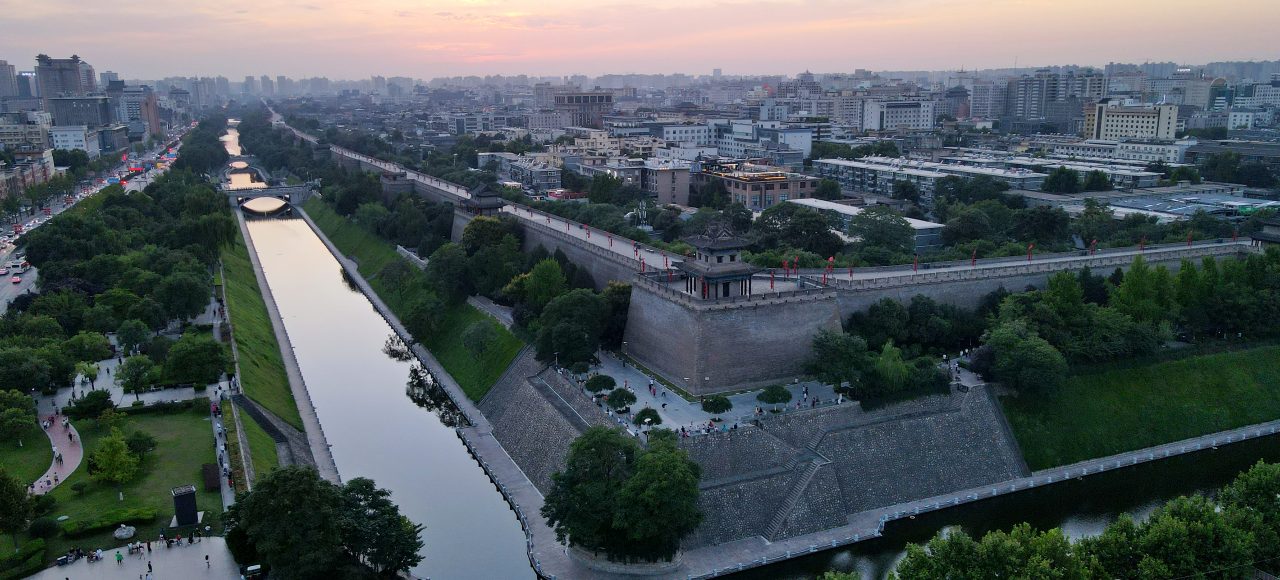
[
  {"x": 262, "y": 449},
  {"x": 476, "y": 375},
  {"x": 1104, "y": 411},
  {"x": 183, "y": 442},
  {"x": 262, "y": 374}
]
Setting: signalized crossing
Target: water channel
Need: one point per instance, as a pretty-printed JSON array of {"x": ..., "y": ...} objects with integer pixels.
[
  {"x": 377, "y": 430},
  {"x": 382, "y": 416}
]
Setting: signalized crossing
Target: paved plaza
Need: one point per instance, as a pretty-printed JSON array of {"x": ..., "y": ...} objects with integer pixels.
[{"x": 187, "y": 562}]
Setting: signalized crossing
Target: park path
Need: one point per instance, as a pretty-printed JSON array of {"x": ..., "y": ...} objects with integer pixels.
[{"x": 60, "y": 441}]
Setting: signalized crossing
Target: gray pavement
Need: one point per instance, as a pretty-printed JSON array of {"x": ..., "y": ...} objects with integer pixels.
[{"x": 166, "y": 563}]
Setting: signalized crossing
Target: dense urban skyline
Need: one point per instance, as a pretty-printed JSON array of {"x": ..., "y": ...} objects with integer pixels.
[{"x": 434, "y": 38}]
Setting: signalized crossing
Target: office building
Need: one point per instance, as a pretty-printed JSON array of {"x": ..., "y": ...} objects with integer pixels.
[
  {"x": 107, "y": 77},
  {"x": 667, "y": 180},
  {"x": 18, "y": 129},
  {"x": 465, "y": 123},
  {"x": 140, "y": 105},
  {"x": 758, "y": 186},
  {"x": 76, "y": 137},
  {"x": 879, "y": 174},
  {"x": 585, "y": 108},
  {"x": 908, "y": 114},
  {"x": 1110, "y": 119},
  {"x": 92, "y": 111}
]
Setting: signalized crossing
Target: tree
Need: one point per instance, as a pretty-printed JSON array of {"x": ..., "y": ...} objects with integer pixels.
[
  {"x": 447, "y": 270},
  {"x": 1096, "y": 180},
  {"x": 196, "y": 358},
  {"x": 371, "y": 215},
  {"x": 828, "y": 189},
  {"x": 583, "y": 497},
  {"x": 717, "y": 404},
  {"x": 774, "y": 395},
  {"x": 87, "y": 346},
  {"x": 478, "y": 337},
  {"x": 600, "y": 383},
  {"x": 646, "y": 417},
  {"x": 620, "y": 398},
  {"x": 15, "y": 505},
  {"x": 838, "y": 358},
  {"x": 1021, "y": 552},
  {"x": 183, "y": 295},
  {"x": 294, "y": 520},
  {"x": 1023, "y": 360},
  {"x": 136, "y": 375},
  {"x": 17, "y": 415},
  {"x": 906, "y": 190},
  {"x": 132, "y": 334},
  {"x": 570, "y": 325},
  {"x": 140, "y": 443},
  {"x": 969, "y": 224},
  {"x": 658, "y": 505},
  {"x": 891, "y": 372},
  {"x": 881, "y": 227},
  {"x": 375, "y": 531},
  {"x": 485, "y": 231},
  {"x": 1062, "y": 180},
  {"x": 112, "y": 461},
  {"x": 90, "y": 406}
]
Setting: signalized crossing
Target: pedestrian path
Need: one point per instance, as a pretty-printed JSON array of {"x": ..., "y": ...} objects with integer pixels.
[
  {"x": 161, "y": 563},
  {"x": 224, "y": 458},
  {"x": 64, "y": 441}
]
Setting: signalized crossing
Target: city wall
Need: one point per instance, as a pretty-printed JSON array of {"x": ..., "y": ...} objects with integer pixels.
[{"x": 716, "y": 347}]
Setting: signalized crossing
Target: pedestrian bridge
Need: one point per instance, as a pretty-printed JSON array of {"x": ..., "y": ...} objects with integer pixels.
[{"x": 286, "y": 196}]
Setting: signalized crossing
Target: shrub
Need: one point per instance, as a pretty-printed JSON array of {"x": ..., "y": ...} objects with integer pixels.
[
  {"x": 716, "y": 404},
  {"x": 620, "y": 399},
  {"x": 164, "y": 407},
  {"x": 600, "y": 383},
  {"x": 108, "y": 520},
  {"x": 25, "y": 562},
  {"x": 580, "y": 368},
  {"x": 43, "y": 504},
  {"x": 79, "y": 487},
  {"x": 649, "y": 414},
  {"x": 140, "y": 442},
  {"x": 43, "y": 527}
]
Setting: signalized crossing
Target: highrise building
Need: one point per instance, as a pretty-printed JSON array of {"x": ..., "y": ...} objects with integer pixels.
[
  {"x": 266, "y": 86},
  {"x": 284, "y": 86},
  {"x": 59, "y": 77},
  {"x": 250, "y": 85},
  {"x": 105, "y": 77},
  {"x": 8, "y": 80},
  {"x": 91, "y": 111},
  {"x": 585, "y": 108}
]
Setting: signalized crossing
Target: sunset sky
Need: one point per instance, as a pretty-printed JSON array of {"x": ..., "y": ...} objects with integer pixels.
[{"x": 427, "y": 38}]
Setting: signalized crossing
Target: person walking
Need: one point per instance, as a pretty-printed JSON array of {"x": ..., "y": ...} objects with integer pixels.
[
  {"x": 119, "y": 558},
  {"x": 148, "y": 568},
  {"x": 206, "y": 562}
]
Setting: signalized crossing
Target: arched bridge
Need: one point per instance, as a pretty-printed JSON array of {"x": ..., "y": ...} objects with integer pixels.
[{"x": 289, "y": 194}]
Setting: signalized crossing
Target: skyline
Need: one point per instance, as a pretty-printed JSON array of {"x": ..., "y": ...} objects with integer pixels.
[{"x": 426, "y": 39}]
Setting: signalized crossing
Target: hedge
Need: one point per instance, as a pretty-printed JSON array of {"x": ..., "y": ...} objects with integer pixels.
[
  {"x": 23, "y": 563},
  {"x": 108, "y": 521},
  {"x": 163, "y": 407}
]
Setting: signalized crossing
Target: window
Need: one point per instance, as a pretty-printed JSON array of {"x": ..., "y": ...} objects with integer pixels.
[{"x": 719, "y": 259}]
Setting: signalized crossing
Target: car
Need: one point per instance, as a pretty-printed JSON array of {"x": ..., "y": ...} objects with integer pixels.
[
  {"x": 4, "y": 271},
  {"x": 16, "y": 280}
]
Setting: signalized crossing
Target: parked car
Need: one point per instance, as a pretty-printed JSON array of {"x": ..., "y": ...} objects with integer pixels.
[{"x": 16, "y": 280}]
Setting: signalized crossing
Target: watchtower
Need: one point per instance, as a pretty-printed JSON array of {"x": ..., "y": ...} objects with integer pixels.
[{"x": 717, "y": 269}]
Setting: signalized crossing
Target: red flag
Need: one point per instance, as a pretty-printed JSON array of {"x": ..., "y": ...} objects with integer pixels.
[
  {"x": 915, "y": 264},
  {"x": 1030, "y": 247},
  {"x": 1142, "y": 244},
  {"x": 771, "y": 279},
  {"x": 1188, "y": 239},
  {"x": 1093, "y": 247},
  {"x": 1235, "y": 234},
  {"x": 973, "y": 259}
]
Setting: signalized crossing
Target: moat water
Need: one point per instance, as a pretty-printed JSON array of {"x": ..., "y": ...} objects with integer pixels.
[{"x": 382, "y": 415}]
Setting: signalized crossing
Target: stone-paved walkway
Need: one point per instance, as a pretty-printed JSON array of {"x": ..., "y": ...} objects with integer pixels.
[
  {"x": 64, "y": 440},
  {"x": 224, "y": 458},
  {"x": 166, "y": 564}
]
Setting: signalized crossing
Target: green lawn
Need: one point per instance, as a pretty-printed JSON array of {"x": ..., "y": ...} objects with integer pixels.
[
  {"x": 262, "y": 449},
  {"x": 184, "y": 442},
  {"x": 262, "y": 374},
  {"x": 1102, "y": 412},
  {"x": 475, "y": 376},
  {"x": 29, "y": 461}
]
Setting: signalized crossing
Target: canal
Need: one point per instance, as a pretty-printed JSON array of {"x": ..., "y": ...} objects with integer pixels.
[{"x": 382, "y": 416}]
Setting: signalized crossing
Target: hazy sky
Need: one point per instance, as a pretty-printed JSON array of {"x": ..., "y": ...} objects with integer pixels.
[{"x": 426, "y": 38}]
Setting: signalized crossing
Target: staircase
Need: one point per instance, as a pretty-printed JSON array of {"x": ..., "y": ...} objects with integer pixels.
[{"x": 789, "y": 502}]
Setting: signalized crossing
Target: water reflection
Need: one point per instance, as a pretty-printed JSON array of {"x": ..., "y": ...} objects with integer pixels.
[
  {"x": 395, "y": 348},
  {"x": 425, "y": 392}
]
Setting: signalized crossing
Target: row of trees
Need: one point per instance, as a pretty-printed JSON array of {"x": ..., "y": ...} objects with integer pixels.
[
  {"x": 1083, "y": 318},
  {"x": 1189, "y": 537},
  {"x": 845, "y": 361}
]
